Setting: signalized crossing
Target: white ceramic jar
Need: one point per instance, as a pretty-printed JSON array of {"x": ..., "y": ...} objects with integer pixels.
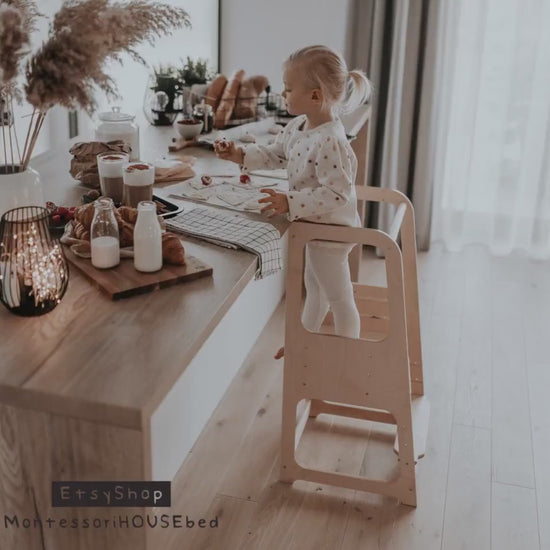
[
  {"x": 117, "y": 125},
  {"x": 147, "y": 238},
  {"x": 19, "y": 189}
]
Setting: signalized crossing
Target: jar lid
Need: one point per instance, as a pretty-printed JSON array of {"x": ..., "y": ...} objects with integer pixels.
[{"x": 115, "y": 116}]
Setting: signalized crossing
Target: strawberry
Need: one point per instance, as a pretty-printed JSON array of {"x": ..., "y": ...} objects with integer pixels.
[{"x": 245, "y": 178}]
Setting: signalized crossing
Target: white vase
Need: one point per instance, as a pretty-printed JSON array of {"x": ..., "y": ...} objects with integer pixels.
[{"x": 20, "y": 189}]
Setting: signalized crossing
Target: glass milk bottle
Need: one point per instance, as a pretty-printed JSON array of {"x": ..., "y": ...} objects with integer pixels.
[
  {"x": 104, "y": 237},
  {"x": 147, "y": 238}
]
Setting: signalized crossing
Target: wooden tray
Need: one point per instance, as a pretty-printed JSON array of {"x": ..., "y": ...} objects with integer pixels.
[{"x": 124, "y": 281}]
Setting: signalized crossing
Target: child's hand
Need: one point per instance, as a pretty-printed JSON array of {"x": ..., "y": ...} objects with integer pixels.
[
  {"x": 277, "y": 202},
  {"x": 226, "y": 150}
]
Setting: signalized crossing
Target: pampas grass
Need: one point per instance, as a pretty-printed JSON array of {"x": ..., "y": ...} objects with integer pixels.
[{"x": 68, "y": 68}]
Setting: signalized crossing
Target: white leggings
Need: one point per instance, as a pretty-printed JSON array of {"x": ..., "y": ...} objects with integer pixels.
[{"x": 328, "y": 285}]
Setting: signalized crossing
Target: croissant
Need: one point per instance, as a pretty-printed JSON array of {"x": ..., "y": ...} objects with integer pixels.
[
  {"x": 80, "y": 231},
  {"x": 128, "y": 214},
  {"x": 125, "y": 233},
  {"x": 172, "y": 249},
  {"x": 85, "y": 215}
]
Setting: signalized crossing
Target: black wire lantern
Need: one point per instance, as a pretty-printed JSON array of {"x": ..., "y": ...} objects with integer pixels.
[{"x": 34, "y": 273}]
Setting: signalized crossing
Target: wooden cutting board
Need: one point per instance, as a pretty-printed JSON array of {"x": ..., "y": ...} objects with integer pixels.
[{"x": 124, "y": 281}]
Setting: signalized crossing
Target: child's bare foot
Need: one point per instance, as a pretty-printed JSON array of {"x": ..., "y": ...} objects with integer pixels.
[{"x": 280, "y": 353}]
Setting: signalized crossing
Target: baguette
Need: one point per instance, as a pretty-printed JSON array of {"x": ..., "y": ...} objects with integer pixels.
[
  {"x": 227, "y": 103},
  {"x": 215, "y": 91}
]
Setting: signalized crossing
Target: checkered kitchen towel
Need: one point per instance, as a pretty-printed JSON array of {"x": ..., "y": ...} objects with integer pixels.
[{"x": 235, "y": 231}]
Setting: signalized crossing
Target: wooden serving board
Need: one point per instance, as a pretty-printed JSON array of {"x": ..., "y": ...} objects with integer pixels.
[{"x": 124, "y": 281}]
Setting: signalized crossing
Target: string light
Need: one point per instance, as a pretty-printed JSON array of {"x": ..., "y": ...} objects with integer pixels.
[{"x": 32, "y": 265}]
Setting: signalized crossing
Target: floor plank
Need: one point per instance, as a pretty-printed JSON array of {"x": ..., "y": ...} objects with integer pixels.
[
  {"x": 536, "y": 321},
  {"x": 514, "y": 518},
  {"x": 511, "y": 434},
  {"x": 473, "y": 399},
  {"x": 467, "y": 521}
]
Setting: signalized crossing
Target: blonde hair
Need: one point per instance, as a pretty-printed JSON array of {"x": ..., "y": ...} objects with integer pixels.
[{"x": 326, "y": 70}]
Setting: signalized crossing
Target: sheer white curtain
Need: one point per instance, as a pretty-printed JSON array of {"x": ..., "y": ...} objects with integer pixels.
[{"x": 492, "y": 165}]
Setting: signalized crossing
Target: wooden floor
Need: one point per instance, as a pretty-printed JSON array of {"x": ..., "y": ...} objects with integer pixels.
[{"x": 485, "y": 480}]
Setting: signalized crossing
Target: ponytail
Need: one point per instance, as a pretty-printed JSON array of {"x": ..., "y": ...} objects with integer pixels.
[{"x": 359, "y": 91}]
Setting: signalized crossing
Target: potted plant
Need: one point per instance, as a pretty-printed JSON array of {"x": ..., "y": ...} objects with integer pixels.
[
  {"x": 194, "y": 76},
  {"x": 66, "y": 70},
  {"x": 195, "y": 72}
]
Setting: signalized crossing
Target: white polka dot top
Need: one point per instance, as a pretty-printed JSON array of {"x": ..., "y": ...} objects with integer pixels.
[{"x": 321, "y": 168}]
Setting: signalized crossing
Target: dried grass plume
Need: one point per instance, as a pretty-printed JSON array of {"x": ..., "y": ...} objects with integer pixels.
[
  {"x": 84, "y": 35},
  {"x": 14, "y": 37}
]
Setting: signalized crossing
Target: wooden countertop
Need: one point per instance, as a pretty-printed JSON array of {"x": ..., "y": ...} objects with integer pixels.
[{"x": 114, "y": 362}]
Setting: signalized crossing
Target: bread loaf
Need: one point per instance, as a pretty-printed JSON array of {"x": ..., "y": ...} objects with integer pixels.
[
  {"x": 227, "y": 103},
  {"x": 260, "y": 83},
  {"x": 247, "y": 100},
  {"x": 215, "y": 91}
]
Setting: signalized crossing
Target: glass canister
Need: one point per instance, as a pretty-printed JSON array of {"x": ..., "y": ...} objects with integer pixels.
[
  {"x": 116, "y": 125},
  {"x": 104, "y": 235},
  {"x": 147, "y": 238}
]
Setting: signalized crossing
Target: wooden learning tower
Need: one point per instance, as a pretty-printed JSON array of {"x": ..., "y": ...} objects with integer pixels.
[{"x": 377, "y": 377}]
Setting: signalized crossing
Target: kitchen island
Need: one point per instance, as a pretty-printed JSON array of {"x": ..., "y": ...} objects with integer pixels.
[{"x": 119, "y": 390}]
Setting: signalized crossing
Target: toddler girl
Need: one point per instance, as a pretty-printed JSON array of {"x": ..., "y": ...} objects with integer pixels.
[{"x": 321, "y": 168}]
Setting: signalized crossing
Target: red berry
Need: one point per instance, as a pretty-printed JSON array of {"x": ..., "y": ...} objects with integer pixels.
[
  {"x": 245, "y": 178},
  {"x": 221, "y": 145}
]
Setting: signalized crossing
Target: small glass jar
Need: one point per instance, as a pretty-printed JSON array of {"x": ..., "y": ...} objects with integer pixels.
[
  {"x": 206, "y": 114},
  {"x": 116, "y": 125},
  {"x": 147, "y": 239},
  {"x": 104, "y": 235}
]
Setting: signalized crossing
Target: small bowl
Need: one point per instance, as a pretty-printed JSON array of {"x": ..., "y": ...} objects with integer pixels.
[{"x": 188, "y": 128}]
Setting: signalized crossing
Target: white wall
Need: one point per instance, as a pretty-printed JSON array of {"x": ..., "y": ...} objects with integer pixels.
[
  {"x": 258, "y": 36},
  {"x": 199, "y": 41}
]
